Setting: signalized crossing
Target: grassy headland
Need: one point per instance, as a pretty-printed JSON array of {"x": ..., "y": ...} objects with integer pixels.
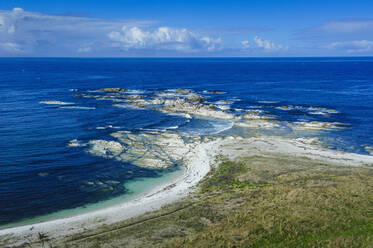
[{"x": 258, "y": 201}]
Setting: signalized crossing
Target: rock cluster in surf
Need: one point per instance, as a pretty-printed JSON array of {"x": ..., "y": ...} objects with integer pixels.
[
  {"x": 184, "y": 101},
  {"x": 164, "y": 149},
  {"x": 192, "y": 104}
]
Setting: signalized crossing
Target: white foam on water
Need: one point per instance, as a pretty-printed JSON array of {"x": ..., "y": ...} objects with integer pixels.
[
  {"x": 153, "y": 129},
  {"x": 267, "y": 102},
  {"x": 254, "y": 107},
  {"x": 290, "y": 107},
  {"x": 212, "y": 92},
  {"x": 173, "y": 127},
  {"x": 318, "y": 113},
  {"x": 222, "y": 127},
  {"x": 78, "y": 107},
  {"x": 223, "y": 107},
  {"x": 179, "y": 114},
  {"x": 126, "y": 106},
  {"x": 169, "y": 95},
  {"x": 214, "y": 127},
  {"x": 322, "y": 110},
  {"x": 76, "y": 143},
  {"x": 136, "y": 92},
  {"x": 223, "y": 102},
  {"x": 53, "y": 102},
  {"x": 107, "y": 127}
]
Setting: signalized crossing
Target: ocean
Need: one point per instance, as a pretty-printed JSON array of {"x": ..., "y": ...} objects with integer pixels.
[{"x": 43, "y": 177}]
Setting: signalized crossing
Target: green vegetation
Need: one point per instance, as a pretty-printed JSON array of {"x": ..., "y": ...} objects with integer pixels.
[{"x": 260, "y": 201}]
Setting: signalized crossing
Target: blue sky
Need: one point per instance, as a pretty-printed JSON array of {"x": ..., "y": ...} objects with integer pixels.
[{"x": 139, "y": 28}]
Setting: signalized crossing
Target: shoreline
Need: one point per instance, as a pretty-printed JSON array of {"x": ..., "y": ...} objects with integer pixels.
[
  {"x": 197, "y": 165},
  {"x": 198, "y": 162}
]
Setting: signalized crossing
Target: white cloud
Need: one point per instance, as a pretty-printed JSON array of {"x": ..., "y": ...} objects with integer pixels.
[
  {"x": 53, "y": 35},
  {"x": 163, "y": 38},
  {"x": 260, "y": 44},
  {"x": 84, "y": 49},
  {"x": 341, "y": 30},
  {"x": 42, "y": 34},
  {"x": 245, "y": 44},
  {"x": 344, "y": 26},
  {"x": 10, "y": 47},
  {"x": 18, "y": 10},
  {"x": 11, "y": 30},
  {"x": 358, "y": 46},
  {"x": 266, "y": 44}
]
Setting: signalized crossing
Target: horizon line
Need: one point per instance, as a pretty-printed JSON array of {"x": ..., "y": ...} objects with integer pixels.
[{"x": 186, "y": 57}]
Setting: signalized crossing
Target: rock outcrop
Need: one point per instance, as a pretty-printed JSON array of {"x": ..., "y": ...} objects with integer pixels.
[
  {"x": 317, "y": 125},
  {"x": 152, "y": 149},
  {"x": 199, "y": 109},
  {"x": 148, "y": 149},
  {"x": 112, "y": 90},
  {"x": 103, "y": 148}
]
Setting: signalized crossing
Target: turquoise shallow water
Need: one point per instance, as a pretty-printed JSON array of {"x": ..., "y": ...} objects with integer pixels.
[
  {"x": 135, "y": 189},
  {"x": 40, "y": 176}
]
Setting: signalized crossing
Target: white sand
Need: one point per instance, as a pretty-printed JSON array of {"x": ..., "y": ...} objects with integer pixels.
[{"x": 198, "y": 163}]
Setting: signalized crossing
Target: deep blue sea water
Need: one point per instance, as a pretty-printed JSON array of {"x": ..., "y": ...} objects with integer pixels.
[{"x": 40, "y": 174}]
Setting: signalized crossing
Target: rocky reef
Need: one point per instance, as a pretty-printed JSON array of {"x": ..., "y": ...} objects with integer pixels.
[
  {"x": 369, "y": 149},
  {"x": 193, "y": 108},
  {"x": 317, "y": 125},
  {"x": 164, "y": 149},
  {"x": 112, "y": 90},
  {"x": 146, "y": 149},
  {"x": 194, "y": 104}
]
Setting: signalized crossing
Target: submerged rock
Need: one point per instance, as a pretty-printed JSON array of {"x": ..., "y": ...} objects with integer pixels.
[
  {"x": 317, "y": 125},
  {"x": 80, "y": 95},
  {"x": 369, "y": 149},
  {"x": 214, "y": 92},
  {"x": 112, "y": 182},
  {"x": 258, "y": 123},
  {"x": 254, "y": 111},
  {"x": 285, "y": 108},
  {"x": 43, "y": 174},
  {"x": 96, "y": 187},
  {"x": 112, "y": 90},
  {"x": 135, "y": 97},
  {"x": 182, "y": 91},
  {"x": 140, "y": 103}
]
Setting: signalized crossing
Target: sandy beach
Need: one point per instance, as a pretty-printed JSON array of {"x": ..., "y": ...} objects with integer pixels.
[{"x": 198, "y": 162}]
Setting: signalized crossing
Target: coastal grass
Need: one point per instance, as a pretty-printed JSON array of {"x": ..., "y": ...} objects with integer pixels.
[{"x": 269, "y": 200}]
